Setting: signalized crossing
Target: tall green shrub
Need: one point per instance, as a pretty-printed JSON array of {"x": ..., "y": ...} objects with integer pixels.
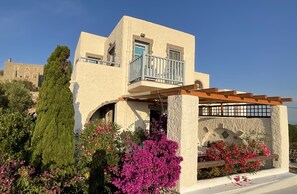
[{"x": 53, "y": 137}]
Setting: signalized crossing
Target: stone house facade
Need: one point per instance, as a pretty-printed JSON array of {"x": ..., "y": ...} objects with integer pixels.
[{"x": 21, "y": 71}]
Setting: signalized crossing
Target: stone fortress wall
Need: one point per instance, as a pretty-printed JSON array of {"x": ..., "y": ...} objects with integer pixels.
[{"x": 20, "y": 71}]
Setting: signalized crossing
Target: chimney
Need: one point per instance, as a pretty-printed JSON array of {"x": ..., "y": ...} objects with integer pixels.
[{"x": 9, "y": 60}]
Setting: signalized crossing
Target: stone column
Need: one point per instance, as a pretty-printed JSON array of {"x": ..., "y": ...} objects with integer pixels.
[
  {"x": 182, "y": 127},
  {"x": 119, "y": 113},
  {"x": 280, "y": 136}
]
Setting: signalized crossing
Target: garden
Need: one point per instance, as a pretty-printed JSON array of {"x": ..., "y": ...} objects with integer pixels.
[{"x": 43, "y": 154}]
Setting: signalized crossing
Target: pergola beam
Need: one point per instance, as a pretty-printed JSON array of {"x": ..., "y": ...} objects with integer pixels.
[
  {"x": 260, "y": 97},
  {"x": 228, "y": 93},
  {"x": 245, "y": 95},
  {"x": 223, "y": 98},
  {"x": 209, "y": 90},
  {"x": 274, "y": 98},
  {"x": 286, "y": 99}
]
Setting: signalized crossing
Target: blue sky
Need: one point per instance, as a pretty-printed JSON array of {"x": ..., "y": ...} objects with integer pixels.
[{"x": 244, "y": 45}]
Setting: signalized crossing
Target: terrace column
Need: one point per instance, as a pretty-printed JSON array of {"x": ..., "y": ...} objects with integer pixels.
[
  {"x": 280, "y": 136},
  {"x": 119, "y": 113},
  {"x": 182, "y": 127}
]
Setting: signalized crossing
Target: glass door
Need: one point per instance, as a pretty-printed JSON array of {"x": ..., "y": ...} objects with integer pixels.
[{"x": 140, "y": 49}]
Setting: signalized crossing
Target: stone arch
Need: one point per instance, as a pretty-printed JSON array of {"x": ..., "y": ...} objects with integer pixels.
[{"x": 104, "y": 111}]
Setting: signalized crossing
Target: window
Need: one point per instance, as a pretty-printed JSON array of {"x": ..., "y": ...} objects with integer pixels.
[
  {"x": 175, "y": 52},
  {"x": 111, "y": 54},
  {"x": 26, "y": 75},
  {"x": 199, "y": 84},
  {"x": 94, "y": 60},
  {"x": 175, "y": 55}
]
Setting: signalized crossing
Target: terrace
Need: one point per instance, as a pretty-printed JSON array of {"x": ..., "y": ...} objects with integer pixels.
[{"x": 226, "y": 116}]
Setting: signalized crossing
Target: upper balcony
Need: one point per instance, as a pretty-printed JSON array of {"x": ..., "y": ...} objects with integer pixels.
[
  {"x": 149, "y": 72},
  {"x": 98, "y": 61}
]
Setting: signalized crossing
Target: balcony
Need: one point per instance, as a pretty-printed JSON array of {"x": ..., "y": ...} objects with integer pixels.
[
  {"x": 155, "y": 72},
  {"x": 97, "y": 61}
]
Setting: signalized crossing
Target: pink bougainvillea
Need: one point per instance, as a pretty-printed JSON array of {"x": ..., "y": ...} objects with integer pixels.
[
  {"x": 236, "y": 157},
  {"x": 151, "y": 168}
]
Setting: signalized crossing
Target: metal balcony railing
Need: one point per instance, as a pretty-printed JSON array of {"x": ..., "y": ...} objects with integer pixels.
[
  {"x": 158, "y": 69},
  {"x": 96, "y": 61}
]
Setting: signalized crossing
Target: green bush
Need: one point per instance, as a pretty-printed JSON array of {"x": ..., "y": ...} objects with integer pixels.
[
  {"x": 15, "y": 97},
  {"x": 99, "y": 152},
  {"x": 15, "y": 135},
  {"x": 292, "y": 133}
]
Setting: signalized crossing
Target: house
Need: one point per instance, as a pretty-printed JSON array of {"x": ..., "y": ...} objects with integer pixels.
[
  {"x": 21, "y": 71},
  {"x": 137, "y": 56},
  {"x": 122, "y": 77}
]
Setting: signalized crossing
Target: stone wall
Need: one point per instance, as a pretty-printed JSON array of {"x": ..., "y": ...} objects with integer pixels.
[
  {"x": 20, "y": 71},
  {"x": 232, "y": 129}
]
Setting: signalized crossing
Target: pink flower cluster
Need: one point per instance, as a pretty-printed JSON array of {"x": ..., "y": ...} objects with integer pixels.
[
  {"x": 236, "y": 156},
  {"x": 148, "y": 169}
]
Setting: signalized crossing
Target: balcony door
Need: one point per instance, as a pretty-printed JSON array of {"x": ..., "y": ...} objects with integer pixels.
[{"x": 140, "y": 49}]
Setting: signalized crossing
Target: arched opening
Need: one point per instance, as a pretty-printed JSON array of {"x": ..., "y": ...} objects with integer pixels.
[
  {"x": 105, "y": 113},
  {"x": 199, "y": 84}
]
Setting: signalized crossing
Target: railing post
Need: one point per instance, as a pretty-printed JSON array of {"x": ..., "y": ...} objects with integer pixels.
[
  {"x": 184, "y": 68},
  {"x": 142, "y": 66}
]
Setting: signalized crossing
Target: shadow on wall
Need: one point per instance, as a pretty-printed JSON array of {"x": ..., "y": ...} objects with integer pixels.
[
  {"x": 139, "y": 122},
  {"x": 77, "y": 115}
]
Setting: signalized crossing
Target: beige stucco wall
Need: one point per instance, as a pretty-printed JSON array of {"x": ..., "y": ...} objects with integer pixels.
[
  {"x": 132, "y": 115},
  {"x": 20, "y": 71},
  {"x": 94, "y": 86},
  {"x": 240, "y": 128},
  {"x": 88, "y": 43},
  {"x": 203, "y": 78}
]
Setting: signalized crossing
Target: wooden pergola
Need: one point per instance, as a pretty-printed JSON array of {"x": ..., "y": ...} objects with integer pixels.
[{"x": 206, "y": 96}]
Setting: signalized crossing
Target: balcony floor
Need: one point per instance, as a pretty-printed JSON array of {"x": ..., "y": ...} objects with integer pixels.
[{"x": 145, "y": 85}]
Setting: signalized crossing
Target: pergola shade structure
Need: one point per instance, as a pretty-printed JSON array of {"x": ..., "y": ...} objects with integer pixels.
[
  {"x": 207, "y": 96},
  {"x": 214, "y": 102},
  {"x": 185, "y": 103}
]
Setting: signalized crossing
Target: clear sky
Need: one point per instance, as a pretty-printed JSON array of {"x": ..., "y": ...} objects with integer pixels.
[{"x": 244, "y": 45}]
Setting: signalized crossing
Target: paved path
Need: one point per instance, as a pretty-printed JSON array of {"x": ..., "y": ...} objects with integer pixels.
[{"x": 285, "y": 183}]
